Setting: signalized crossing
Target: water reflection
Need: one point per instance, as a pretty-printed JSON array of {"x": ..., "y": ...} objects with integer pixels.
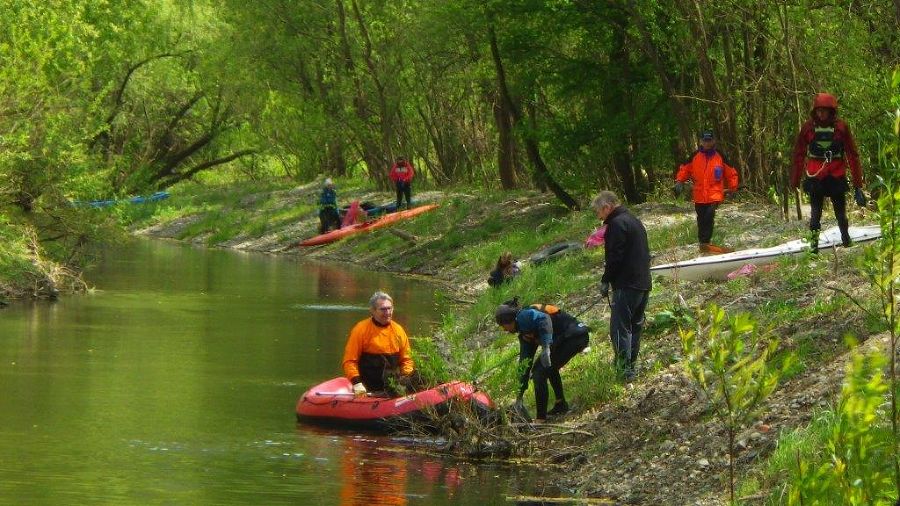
[
  {"x": 371, "y": 477},
  {"x": 375, "y": 474},
  {"x": 175, "y": 383},
  {"x": 335, "y": 282}
]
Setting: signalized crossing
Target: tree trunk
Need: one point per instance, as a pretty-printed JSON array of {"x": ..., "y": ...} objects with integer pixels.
[
  {"x": 385, "y": 116},
  {"x": 375, "y": 163},
  {"x": 682, "y": 116},
  {"x": 617, "y": 105},
  {"x": 694, "y": 12},
  {"x": 506, "y": 146},
  {"x": 531, "y": 146},
  {"x": 782, "y": 14}
]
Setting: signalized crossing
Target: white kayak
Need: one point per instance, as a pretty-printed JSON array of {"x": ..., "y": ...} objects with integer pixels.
[{"x": 717, "y": 266}]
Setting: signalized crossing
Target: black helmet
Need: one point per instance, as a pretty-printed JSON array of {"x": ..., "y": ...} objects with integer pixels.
[{"x": 505, "y": 314}]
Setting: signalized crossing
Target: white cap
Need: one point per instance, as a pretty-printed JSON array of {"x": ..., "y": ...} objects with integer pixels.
[{"x": 329, "y": 182}]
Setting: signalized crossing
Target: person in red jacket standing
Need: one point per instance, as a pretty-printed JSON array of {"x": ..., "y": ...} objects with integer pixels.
[
  {"x": 402, "y": 174},
  {"x": 823, "y": 149},
  {"x": 713, "y": 176}
]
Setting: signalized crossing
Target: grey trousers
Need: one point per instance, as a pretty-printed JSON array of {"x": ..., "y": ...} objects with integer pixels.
[{"x": 626, "y": 321}]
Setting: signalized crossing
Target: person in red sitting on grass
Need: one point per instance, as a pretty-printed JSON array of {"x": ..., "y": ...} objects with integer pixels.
[{"x": 713, "y": 178}]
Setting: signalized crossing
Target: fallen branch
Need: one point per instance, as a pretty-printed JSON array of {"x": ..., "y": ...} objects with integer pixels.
[
  {"x": 406, "y": 236},
  {"x": 528, "y": 499}
]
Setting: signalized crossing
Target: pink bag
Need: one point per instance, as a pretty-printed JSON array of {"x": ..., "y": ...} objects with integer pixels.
[
  {"x": 596, "y": 239},
  {"x": 749, "y": 270},
  {"x": 355, "y": 214}
]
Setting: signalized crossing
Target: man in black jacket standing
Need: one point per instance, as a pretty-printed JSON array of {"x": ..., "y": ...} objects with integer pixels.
[{"x": 627, "y": 272}]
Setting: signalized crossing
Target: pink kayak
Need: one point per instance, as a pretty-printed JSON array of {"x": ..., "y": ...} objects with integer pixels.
[{"x": 334, "y": 403}]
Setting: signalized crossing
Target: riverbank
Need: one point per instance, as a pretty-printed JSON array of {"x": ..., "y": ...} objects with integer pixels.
[
  {"x": 25, "y": 273},
  {"x": 650, "y": 442}
]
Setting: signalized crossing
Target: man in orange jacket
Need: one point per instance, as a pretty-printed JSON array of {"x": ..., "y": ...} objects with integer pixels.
[
  {"x": 378, "y": 349},
  {"x": 824, "y": 148},
  {"x": 713, "y": 177}
]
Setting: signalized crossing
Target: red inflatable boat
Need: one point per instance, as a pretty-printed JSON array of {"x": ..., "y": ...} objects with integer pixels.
[
  {"x": 349, "y": 230},
  {"x": 334, "y": 403}
]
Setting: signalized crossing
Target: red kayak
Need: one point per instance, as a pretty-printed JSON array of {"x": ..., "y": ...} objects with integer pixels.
[
  {"x": 334, "y": 403},
  {"x": 387, "y": 219}
]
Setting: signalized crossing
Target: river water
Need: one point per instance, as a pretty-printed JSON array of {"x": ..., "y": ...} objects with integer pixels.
[{"x": 175, "y": 383}]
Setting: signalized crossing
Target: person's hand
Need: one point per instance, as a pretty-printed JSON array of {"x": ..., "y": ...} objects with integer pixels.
[
  {"x": 859, "y": 197},
  {"x": 359, "y": 389},
  {"x": 604, "y": 289},
  {"x": 679, "y": 187},
  {"x": 545, "y": 356}
]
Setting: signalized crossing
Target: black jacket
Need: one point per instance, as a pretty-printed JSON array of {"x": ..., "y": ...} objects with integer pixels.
[{"x": 627, "y": 251}]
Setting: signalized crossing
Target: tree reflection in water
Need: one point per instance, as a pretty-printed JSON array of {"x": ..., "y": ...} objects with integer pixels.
[{"x": 373, "y": 476}]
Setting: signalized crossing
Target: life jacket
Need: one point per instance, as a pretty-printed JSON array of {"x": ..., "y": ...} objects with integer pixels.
[
  {"x": 824, "y": 146},
  {"x": 549, "y": 309},
  {"x": 564, "y": 324}
]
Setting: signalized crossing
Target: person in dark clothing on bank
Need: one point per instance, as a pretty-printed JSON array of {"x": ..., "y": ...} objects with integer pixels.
[
  {"x": 627, "y": 273},
  {"x": 560, "y": 337},
  {"x": 506, "y": 269},
  {"x": 328, "y": 211}
]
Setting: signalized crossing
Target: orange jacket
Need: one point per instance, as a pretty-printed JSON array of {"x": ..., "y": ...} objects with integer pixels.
[
  {"x": 366, "y": 337},
  {"x": 711, "y": 176}
]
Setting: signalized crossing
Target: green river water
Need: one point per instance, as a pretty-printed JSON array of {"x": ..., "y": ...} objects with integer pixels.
[{"x": 175, "y": 383}]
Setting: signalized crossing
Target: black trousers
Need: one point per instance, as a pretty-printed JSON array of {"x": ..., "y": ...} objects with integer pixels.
[
  {"x": 404, "y": 188},
  {"x": 391, "y": 383},
  {"x": 328, "y": 219},
  {"x": 626, "y": 321},
  {"x": 836, "y": 190},
  {"x": 560, "y": 353},
  {"x": 706, "y": 218}
]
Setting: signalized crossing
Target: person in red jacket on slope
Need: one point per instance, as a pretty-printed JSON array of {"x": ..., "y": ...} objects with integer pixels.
[
  {"x": 713, "y": 178},
  {"x": 822, "y": 151},
  {"x": 402, "y": 173}
]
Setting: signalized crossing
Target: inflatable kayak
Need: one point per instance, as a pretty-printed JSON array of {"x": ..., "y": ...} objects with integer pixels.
[
  {"x": 349, "y": 230},
  {"x": 717, "y": 266},
  {"x": 333, "y": 403}
]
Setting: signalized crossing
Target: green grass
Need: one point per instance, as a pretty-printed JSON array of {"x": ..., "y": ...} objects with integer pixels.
[{"x": 17, "y": 266}]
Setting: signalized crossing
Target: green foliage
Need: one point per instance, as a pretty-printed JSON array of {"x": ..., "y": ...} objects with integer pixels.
[
  {"x": 853, "y": 468},
  {"x": 14, "y": 259},
  {"x": 428, "y": 360},
  {"x": 669, "y": 319},
  {"x": 881, "y": 263},
  {"x": 732, "y": 367}
]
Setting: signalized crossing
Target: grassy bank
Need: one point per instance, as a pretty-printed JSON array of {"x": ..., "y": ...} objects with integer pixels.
[
  {"x": 659, "y": 419},
  {"x": 25, "y": 273}
]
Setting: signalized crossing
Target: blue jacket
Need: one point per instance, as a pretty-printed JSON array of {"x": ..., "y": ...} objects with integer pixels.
[
  {"x": 328, "y": 198},
  {"x": 535, "y": 328}
]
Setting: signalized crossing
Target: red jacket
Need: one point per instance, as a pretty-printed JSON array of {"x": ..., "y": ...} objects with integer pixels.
[
  {"x": 835, "y": 168},
  {"x": 402, "y": 171},
  {"x": 711, "y": 175}
]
